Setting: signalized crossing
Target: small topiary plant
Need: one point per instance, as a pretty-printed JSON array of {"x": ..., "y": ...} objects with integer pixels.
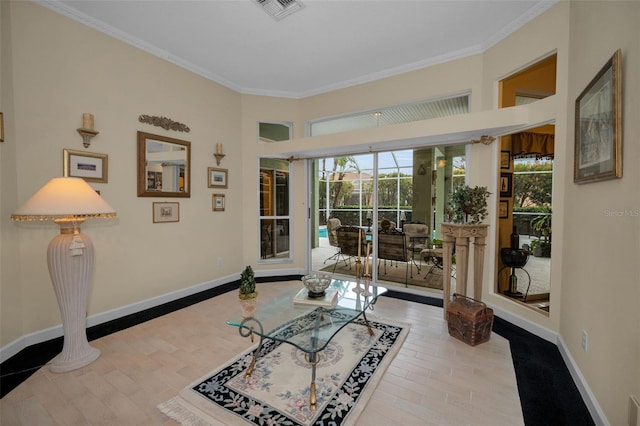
[
  {"x": 247, "y": 284},
  {"x": 468, "y": 205}
]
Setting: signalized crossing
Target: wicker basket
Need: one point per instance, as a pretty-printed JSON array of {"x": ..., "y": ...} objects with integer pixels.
[{"x": 469, "y": 320}]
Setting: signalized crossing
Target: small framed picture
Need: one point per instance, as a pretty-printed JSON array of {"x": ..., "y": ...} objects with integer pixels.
[
  {"x": 503, "y": 209},
  {"x": 505, "y": 159},
  {"x": 506, "y": 184},
  {"x": 218, "y": 202},
  {"x": 217, "y": 177},
  {"x": 89, "y": 166},
  {"x": 166, "y": 212}
]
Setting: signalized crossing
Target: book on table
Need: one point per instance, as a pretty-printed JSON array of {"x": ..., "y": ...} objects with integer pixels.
[{"x": 328, "y": 300}]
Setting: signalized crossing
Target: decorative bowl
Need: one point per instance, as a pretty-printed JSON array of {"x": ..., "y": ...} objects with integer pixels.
[
  {"x": 316, "y": 284},
  {"x": 514, "y": 258}
]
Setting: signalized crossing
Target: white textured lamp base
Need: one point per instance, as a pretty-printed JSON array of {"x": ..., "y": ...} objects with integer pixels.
[
  {"x": 75, "y": 361},
  {"x": 70, "y": 259}
]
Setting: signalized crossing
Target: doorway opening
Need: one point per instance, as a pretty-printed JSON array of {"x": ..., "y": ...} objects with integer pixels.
[{"x": 523, "y": 252}]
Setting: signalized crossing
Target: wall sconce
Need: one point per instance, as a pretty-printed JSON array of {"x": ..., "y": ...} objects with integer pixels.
[
  {"x": 86, "y": 131},
  {"x": 442, "y": 163},
  {"x": 421, "y": 170},
  {"x": 218, "y": 154}
]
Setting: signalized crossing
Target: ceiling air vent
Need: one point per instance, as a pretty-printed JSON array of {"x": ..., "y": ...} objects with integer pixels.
[{"x": 278, "y": 9}]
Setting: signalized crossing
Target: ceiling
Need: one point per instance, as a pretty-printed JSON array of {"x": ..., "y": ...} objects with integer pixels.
[{"x": 324, "y": 46}]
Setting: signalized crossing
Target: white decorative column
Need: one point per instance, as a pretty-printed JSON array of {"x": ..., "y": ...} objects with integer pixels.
[{"x": 460, "y": 234}]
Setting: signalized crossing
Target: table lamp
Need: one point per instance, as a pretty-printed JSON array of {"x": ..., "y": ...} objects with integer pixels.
[{"x": 69, "y": 202}]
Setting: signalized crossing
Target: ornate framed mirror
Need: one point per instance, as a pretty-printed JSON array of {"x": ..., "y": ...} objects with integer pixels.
[{"x": 164, "y": 166}]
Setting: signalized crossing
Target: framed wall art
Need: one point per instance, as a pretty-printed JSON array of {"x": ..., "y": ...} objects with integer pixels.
[
  {"x": 505, "y": 159},
  {"x": 506, "y": 184},
  {"x": 598, "y": 126},
  {"x": 166, "y": 212},
  {"x": 218, "y": 202},
  {"x": 503, "y": 209},
  {"x": 90, "y": 166},
  {"x": 217, "y": 177}
]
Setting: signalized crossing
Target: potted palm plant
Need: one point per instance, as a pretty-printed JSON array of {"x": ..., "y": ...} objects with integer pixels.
[{"x": 247, "y": 292}]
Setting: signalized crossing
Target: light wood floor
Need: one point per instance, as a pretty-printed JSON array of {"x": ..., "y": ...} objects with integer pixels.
[{"x": 434, "y": 379}]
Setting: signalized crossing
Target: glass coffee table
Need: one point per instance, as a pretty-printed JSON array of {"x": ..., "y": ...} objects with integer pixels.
[{"x": 307, "y": 324}]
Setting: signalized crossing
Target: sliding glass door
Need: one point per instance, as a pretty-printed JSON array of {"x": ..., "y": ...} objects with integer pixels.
[{"x": 397, "y": 198}]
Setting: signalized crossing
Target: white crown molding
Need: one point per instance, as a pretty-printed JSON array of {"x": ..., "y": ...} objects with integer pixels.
[
  {"x": 535, "y": 11},
  {"x": 100, "y": 26},
  {"x": 391, "y": 72},
  {"x": 73, "y": 14}
]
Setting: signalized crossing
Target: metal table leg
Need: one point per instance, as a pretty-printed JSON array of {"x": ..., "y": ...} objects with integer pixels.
[{"x": 247, "y": 331}]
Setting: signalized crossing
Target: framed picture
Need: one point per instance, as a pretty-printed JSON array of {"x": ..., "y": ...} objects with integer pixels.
[
  {"x": 506, "y": 184},
  {"x": 217, "y": 177},
  {"x": 505, "y": 159},
  {"x": 503, "y": 209},
  {"x": 598, "y": 132},
  {"x": 166, "y": 212},
  {"x": 218, "y": 202},
  {"x": 87, "y": 165}
]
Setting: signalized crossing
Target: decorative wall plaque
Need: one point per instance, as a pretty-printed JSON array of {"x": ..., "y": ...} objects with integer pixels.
[{"x": 164, "y": 122}]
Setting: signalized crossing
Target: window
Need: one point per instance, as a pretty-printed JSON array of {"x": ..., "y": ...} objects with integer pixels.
[
  {"x": 275, "y": 235},
  {"x": 274, "y": 132},
  {"x": 434, "y": 108}
]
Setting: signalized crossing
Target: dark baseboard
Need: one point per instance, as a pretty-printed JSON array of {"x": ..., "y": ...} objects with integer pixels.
[
  {"x": 22, "y": 365},
  {"x": 548, "y": 394}
]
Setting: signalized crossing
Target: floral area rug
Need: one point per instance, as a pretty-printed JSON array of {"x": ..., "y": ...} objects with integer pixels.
[{"x": 277, "y": 392}]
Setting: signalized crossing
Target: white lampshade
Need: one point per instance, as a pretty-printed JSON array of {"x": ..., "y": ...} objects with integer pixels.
[{"x": 64, "y": 198}]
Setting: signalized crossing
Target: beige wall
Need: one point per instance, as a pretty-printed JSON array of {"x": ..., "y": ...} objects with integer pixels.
[
  {"x": 60, "y": 69},
  {"x": 545, "y": 35},
  {"x": 54, "y": 69},
  {"x": 601, "y": 272},
  {"x": 10, "y": 295},
  {"x": 269, "y": 109}
]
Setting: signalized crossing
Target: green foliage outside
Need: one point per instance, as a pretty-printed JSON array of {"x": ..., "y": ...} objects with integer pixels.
[
  {"x": 343, "y": 195},
  {"x": 341, "y": 165},
  {"x": 388, "y": 189},
  {"x": 532, "y": 191},
  {"x": 532, "y": 195}
]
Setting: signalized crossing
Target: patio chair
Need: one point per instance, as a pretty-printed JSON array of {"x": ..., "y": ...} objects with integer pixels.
[
  {"x": 393, "y": 246},
  {"x": 417, "y": 235},
  {"x": 348, "y": 242},
  {"x": 332, "y": 225}
]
